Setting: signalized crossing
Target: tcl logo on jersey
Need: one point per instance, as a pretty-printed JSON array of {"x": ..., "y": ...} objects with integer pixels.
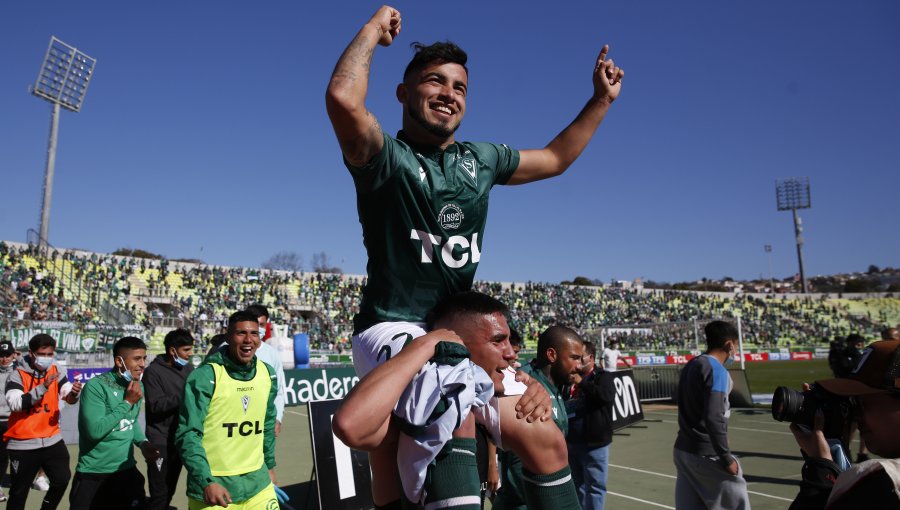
[
  {"x": 432, "y": 243},
  {"x": 245, "y": 428}
]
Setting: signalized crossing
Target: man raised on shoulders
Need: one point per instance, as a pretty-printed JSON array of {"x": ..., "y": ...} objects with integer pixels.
[{"x": 422, "y": 196}]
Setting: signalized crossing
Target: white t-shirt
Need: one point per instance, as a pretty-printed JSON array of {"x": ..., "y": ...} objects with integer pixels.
[{"x": 611, "y": 359}]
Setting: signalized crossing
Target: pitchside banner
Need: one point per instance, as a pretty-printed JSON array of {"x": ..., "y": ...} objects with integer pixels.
[
  {"x": 314, "y": 384},
  {"x": 342, "y": 475},
  {"x": 627, "y": 409},
  {"x": 66, "y": 340}
]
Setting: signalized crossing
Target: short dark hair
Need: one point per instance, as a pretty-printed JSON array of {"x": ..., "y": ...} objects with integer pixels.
[
  {"x": 590, "y": 349},
  {"x": 242, "y": 316},
  {"x": 128, "y": 343},
  {"x": 464, "y": 303},
  {"x": 444, "y": 52},
  {"x": 719, "y": 332},
  {"x": 514, "y": 337},
  {"x": 855, "y": 338},
  {"x": 554, "y": 337},
  {"x": 41, "y": 340},
  {"x": 217, "y": 340},
  {"x": 178, "y": 338},
  {"x": 258, "y": 311}
]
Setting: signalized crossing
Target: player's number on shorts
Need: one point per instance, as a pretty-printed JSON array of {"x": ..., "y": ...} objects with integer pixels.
[{"x": 386, "y": 349}]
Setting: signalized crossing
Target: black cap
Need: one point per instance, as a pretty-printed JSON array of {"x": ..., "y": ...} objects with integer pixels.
[{"x": 6, "y": 348}]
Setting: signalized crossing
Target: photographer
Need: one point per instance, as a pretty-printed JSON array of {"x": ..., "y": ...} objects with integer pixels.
[{"x": 875, "y": 383}]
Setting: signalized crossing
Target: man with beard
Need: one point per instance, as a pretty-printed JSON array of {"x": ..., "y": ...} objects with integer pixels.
[
  {"x": 559, "y": 354},
  {"x": 422, "y": 196}
]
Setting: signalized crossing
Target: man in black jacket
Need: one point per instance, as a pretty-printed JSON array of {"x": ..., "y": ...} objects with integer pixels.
[
  {"x": 589, "y": 407},
  {"x": 163, "y": 387}
]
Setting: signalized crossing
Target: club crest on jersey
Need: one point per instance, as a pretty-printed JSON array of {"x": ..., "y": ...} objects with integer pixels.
[
  {"x": 451, "y": 216},
  {"x": 245, "y": 401},
  {"x": 468, "y": 164}
]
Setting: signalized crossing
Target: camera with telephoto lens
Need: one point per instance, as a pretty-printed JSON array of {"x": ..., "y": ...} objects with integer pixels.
[{"x": 801, "y": 407}]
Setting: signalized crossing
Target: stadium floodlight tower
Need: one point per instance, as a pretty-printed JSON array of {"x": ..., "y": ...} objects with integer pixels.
[
  {"x": 793, "y": 194},
  {"x": 63, "y": 81}
]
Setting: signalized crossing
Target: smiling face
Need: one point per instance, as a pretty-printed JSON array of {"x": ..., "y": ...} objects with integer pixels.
[
  {"x": 132, "y": 360},
  {"x": 487, "y": 338},
  {"x": 243, "y": 340},
  {"x": 434, "y": 102}
]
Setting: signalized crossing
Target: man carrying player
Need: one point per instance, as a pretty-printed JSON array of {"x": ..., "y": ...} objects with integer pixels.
[{"x": 422, "y": 197}]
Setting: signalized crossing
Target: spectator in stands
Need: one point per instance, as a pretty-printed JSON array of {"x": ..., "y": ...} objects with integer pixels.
[
  {"x": 7, "y": 365},
  {"x": 890, "y": 334},
  {"x": 106, "y": 475},
  {"x": 709, "y": 476},
  {"x": 163, "y": 391},
  {"x": 612, "y": 355},
  {"x": 559, "y": 354},
  {"x": 589, "y": 404},
  {"x": 33, "y": 438},
  {"x": 872, "y": 484}
]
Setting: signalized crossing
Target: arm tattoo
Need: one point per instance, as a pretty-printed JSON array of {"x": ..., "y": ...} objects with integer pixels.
[{"x": 355, "y": 60}]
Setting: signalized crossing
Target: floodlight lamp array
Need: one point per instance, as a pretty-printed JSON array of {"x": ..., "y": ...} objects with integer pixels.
[
  {"x": 64, "y": 76},
  {"x": 792, "y": 193}
]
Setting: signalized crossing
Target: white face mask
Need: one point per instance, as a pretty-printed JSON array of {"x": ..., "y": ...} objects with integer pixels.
[
  {"x": 43, "y": 363},
  {"x": 126, "y": 374},
  {"x": 262, "y": 332}
]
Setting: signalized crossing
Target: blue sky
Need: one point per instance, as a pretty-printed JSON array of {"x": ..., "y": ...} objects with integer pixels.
[{"x": 204, "y": 132}]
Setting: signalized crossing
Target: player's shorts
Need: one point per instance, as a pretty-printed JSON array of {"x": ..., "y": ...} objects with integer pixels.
[
  {"x": 376, "y": 344},
  {"x": 264, "y": 500},
  {"x": 489, "y": 416}
]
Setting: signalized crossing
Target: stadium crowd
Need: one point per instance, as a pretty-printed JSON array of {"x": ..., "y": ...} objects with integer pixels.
[{"x": 70, "y": 286}]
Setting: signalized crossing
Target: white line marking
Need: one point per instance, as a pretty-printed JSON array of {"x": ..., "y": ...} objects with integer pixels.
[
  {"x": 772, "y": 422},
  {"x": 769, "y": 495},
  {"x": 640, "y": 500},
  {"x": 671, "y": 476},
  {"x": 642, "y": 471},
  {"x": 744, "y": 428},
  {"x": 296, "y": 412}
]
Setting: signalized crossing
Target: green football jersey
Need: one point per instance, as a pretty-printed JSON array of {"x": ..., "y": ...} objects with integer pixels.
[{"x": 423, "y": 212}]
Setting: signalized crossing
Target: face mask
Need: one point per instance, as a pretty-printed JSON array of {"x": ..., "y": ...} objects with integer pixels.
[
  {"x": 730, "y": 358},
  {"x": 262, "y": 333},
  {"x": 180, "y": 361},
  {"x": 43, "y": 363},
  {"x": 126, "y": 374}
]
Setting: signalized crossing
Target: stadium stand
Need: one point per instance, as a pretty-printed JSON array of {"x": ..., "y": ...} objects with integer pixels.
[{"x": 86, "y": 288}]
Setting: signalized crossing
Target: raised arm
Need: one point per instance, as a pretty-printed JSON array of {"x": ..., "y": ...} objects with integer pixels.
[
  {"x": 556, "y": 157},
  {"x": 357, "y": 130}
]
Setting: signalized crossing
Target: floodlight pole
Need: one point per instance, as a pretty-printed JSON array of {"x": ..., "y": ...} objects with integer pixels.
[
  {"x": 63, "y": 81},
  {"x": 48, "y": 178},
  {"x": 792, "y": 194},
  {"x": 798, "y": 234},
  {"x": 768, "y": 249}
]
